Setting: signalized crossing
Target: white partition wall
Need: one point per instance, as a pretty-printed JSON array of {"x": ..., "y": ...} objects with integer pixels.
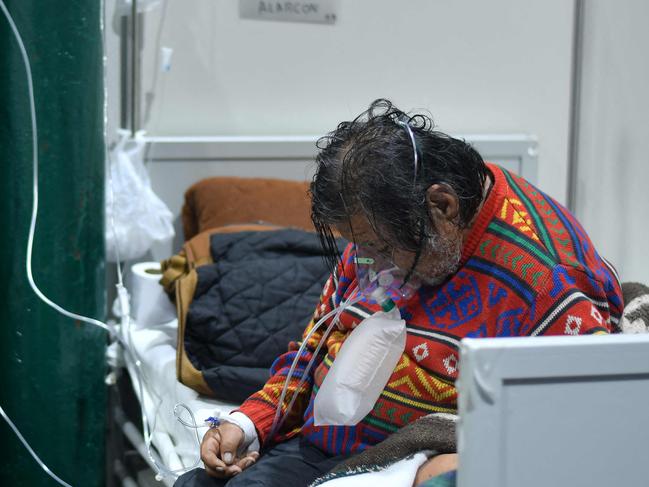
[
  {"x": 612, "y": 183},
  {"x": 177, "y": 162},
  {"x": 494, "y": 67}
]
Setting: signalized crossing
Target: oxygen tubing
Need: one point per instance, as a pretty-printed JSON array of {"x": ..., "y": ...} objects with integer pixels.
[{"x": 277, "y": 423}]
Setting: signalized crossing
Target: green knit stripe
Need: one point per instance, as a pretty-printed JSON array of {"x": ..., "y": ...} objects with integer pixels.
[
  {"x": 500, "y": 229},
  {"x": 535, "y": 278},
  {"x": 389, "y": 428},
  {"x": 494, "y": 250},
  {"x": 532, "y": 211},
  {"x": 483, "y": 246},
  {"x": 525, "y": 268}
]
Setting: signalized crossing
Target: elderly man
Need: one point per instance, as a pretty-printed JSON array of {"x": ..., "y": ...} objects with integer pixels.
[{"x": 494, "y": 257}]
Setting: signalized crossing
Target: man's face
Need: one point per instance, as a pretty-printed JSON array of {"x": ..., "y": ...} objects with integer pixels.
[{"x": 439, "y": 258}]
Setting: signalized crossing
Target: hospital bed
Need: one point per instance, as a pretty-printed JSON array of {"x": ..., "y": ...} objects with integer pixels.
[{"x": 173, "y": 444}]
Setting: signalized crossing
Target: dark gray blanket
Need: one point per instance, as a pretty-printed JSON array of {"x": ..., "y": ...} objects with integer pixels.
[{"x": 259, "y": 294}]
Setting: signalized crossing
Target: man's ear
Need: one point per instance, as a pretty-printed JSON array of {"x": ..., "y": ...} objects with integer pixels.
[{"x": 443, "y": 204}]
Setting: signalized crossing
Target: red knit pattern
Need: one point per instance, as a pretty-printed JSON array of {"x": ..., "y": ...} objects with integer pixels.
[{"x": 527, "y": 268}]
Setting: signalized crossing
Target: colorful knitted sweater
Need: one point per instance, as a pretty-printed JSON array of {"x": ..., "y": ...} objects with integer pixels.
[{"x": 527, "y": 268}]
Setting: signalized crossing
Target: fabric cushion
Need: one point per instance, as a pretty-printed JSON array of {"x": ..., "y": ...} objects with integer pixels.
[{"x": 220, "y": 201}]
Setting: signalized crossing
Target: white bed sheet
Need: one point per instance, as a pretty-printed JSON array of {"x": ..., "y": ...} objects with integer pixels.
[{"x": 156, "y": 349}]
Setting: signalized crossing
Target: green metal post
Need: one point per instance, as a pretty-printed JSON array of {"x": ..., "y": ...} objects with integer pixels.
[{"x": 52, "y": 368}]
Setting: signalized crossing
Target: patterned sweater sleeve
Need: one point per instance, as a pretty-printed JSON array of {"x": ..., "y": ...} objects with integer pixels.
[
  {"x": 262, "y": 405},
  {"x": 572, "y": 302}
]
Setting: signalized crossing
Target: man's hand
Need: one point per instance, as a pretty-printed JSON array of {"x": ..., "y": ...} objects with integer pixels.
[{"x": 219, "y": 451}]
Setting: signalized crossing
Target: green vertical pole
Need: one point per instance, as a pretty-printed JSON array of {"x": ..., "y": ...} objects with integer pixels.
[{"x": 52, "y": 368}]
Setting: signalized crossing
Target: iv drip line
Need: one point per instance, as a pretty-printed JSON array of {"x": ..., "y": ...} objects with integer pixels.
[{"x": 122, "y": 293}]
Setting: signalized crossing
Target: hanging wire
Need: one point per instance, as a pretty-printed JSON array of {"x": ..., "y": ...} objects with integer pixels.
[{"x": 130, "y": 355}]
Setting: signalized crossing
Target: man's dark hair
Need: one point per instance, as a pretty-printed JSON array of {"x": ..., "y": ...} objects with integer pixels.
[{"x": 366, "y": 167}]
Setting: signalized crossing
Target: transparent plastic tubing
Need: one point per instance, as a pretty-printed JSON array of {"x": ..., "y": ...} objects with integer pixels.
[
  {"x": 354, "y": 298},
  {"x": 130, "y": 355}
]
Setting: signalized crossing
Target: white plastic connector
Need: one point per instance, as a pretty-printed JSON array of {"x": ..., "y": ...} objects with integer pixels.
[
  {"x": 385, "y": 279},
  {"x": 111, "y": 379},
  {"x": 165, "y": 59},
  {"x": 124, "y": 300},
  {"x": 379, "y": 295}
]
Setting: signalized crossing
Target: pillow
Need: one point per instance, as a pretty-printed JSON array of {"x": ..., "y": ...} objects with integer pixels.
[{"x": 221, "y": 201}]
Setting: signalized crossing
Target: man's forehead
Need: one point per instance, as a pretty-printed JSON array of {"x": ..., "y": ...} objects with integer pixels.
[{"x": 359, "y": 229}]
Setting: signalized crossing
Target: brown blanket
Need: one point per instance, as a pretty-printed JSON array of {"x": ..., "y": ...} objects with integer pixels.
[{"x": 435, "y": 432}]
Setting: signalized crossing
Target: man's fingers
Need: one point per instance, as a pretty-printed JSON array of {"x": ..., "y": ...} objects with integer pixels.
[
  {"x": 246, "y": 461},
  {"x": 215, "y": 472},
  {"x": 231, "y": 438},
  {"x": 210, "y": 450},
  {"x": 226, "y": 471},
  {"x": 218, "y": 451},
  {"x": 223, "y": 472},
  {"x": 210, "y": 444}
]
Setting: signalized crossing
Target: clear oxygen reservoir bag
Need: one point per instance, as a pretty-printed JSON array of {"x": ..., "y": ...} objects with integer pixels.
[{"x": 361, "y": 370}]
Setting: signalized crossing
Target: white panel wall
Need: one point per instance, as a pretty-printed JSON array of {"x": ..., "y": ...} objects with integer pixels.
[
  {"x": 501, "y": 66},
  {"x": 612, "y": 198}
]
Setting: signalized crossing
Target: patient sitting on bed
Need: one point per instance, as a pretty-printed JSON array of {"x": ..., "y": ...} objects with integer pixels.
[{"x": 495, "y": 256}]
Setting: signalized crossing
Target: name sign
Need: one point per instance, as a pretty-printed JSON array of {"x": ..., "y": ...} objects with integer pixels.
[{"x": 315, "y": 11}]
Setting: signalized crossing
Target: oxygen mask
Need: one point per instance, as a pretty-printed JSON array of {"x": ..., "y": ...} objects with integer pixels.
[{"x": 380, "y": 280}]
